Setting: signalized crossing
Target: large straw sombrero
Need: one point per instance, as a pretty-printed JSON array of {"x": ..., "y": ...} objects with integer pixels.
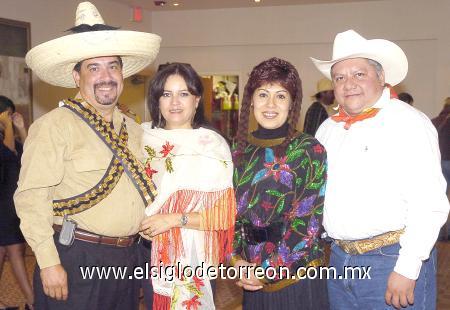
[
  {"x": 53, "y": 61},
  {"x": 350, "y": 44},
  {"x": 323, "y": 84}
]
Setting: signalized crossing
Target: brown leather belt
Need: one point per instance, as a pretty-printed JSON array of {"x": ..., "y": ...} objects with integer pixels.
[
  {"x": 121, "y": 242},
  {"x": 355, "y": 247}
]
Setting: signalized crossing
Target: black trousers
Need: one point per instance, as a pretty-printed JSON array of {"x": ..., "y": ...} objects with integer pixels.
[
  {"x": 97, "y": 291},
  {"x": 306, "y": 294},
  {"x": 145, "y": 248}
]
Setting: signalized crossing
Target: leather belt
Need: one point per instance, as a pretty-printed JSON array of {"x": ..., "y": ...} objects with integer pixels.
[
  {"x": 82, "y": 235},
  {"x": 355, "y": 247}
]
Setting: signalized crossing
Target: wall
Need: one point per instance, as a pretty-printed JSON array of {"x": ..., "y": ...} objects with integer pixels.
[
  {"x": 235, "y": 40},
  {"x": 49, "y": 19}
]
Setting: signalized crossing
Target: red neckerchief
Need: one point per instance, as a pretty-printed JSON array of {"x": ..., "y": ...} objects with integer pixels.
[{"x": 342, "y": 116}]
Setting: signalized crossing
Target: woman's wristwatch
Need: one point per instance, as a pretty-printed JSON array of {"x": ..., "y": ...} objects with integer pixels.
[{"x": 184, "y": 219}]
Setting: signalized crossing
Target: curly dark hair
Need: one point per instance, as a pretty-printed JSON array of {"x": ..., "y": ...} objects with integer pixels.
[
  {"x": 273, "y": 70},
  {"x": 156, "y": 89}
]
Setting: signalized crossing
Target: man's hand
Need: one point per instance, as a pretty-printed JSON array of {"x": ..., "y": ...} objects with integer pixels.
[
  {"x": 400, "y": 291},
  {"x": 54, "y": 281},
  {"x": 249, "y": 281}
]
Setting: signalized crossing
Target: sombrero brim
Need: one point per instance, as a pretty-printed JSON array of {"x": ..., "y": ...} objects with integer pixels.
[
  {"x": 53, "y": 61},
  {"x": 390, "y": 56}
]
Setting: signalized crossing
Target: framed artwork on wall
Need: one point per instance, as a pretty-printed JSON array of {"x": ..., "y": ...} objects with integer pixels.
[{"x": 15, "y": 77}]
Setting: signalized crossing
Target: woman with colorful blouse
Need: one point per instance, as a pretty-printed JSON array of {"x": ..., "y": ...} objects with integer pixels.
[
  {"x": 279, "y": 178},
  {"x": 191, "y": 221}
]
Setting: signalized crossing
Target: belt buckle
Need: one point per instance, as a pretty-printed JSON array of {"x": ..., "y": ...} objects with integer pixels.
[
  {"x": 120, "y": 240},
  {"x": 361, "y": 246}
]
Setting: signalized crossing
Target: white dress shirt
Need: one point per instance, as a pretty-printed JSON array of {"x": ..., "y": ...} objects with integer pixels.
[{"x": 384, "y": 174}]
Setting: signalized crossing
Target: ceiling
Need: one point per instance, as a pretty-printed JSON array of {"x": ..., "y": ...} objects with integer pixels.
[{"x": 221, "y": 4}]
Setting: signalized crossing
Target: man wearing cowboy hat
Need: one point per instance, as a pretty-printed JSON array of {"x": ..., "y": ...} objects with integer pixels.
[
  {"x": 82, "y": 190},
  {"x": 385, "y": 199},
  {"x": 317, "y": 113}
]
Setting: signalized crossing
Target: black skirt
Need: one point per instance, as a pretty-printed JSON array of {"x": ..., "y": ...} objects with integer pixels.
[
  {"x": 9, "y": 174},
  {"x": 305, "y": 294}
]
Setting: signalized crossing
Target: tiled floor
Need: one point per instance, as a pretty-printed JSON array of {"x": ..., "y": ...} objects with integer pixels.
[{"x": 229, "y": 295}]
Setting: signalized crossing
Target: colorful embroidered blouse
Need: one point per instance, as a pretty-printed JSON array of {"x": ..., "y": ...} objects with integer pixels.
[{"x": 287, "y": 189}]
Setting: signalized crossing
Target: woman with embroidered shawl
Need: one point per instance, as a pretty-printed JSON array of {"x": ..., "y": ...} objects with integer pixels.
[
  {"x": 279, "y": 177},
  {"x": 191, "y": 221}
]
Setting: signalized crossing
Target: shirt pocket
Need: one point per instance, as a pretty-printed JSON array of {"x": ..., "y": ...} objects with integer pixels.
[{"x": 84, "y": 162}]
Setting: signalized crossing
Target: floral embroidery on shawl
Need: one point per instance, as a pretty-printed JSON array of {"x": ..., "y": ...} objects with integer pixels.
[
  {"x": 193, "y": 171},
  {"x": 151, "y": 153}
]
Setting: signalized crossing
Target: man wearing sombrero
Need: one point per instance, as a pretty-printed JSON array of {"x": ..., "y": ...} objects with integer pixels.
[
  {"x": 385, "y": 198},
  {"x": 317, "y": 112},
  {"x": 82, "y": 190}
]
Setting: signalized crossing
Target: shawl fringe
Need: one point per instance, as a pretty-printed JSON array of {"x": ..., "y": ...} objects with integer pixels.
[
  {"x": 161, "y": 302},
  {"x": 217, "y": 209}
]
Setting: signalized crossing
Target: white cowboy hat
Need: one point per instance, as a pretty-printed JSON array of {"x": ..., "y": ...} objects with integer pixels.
[
  {"x": 350, "y": 44},
  {"x": 53, "y": 61}
]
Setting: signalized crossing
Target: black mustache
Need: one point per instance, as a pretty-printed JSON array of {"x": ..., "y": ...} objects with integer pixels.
[{"x": 111, "y": 83}]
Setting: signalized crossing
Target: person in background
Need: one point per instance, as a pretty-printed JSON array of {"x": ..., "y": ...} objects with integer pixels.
[
  {"x": 128, "y": 112},
  {"x": 280, "y": 176},
  {"x": 191, "y": 221},
  {"x": 406, "y": 97},
  {"x": 385, "y": 198},
  {"x": 317, "y": 113},
  {"x": 12, "y": 242},
  {"x": 442, "y": 124}
]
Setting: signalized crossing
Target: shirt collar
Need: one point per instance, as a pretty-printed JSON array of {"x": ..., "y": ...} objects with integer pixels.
[{"x": 383, "y": 100}]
